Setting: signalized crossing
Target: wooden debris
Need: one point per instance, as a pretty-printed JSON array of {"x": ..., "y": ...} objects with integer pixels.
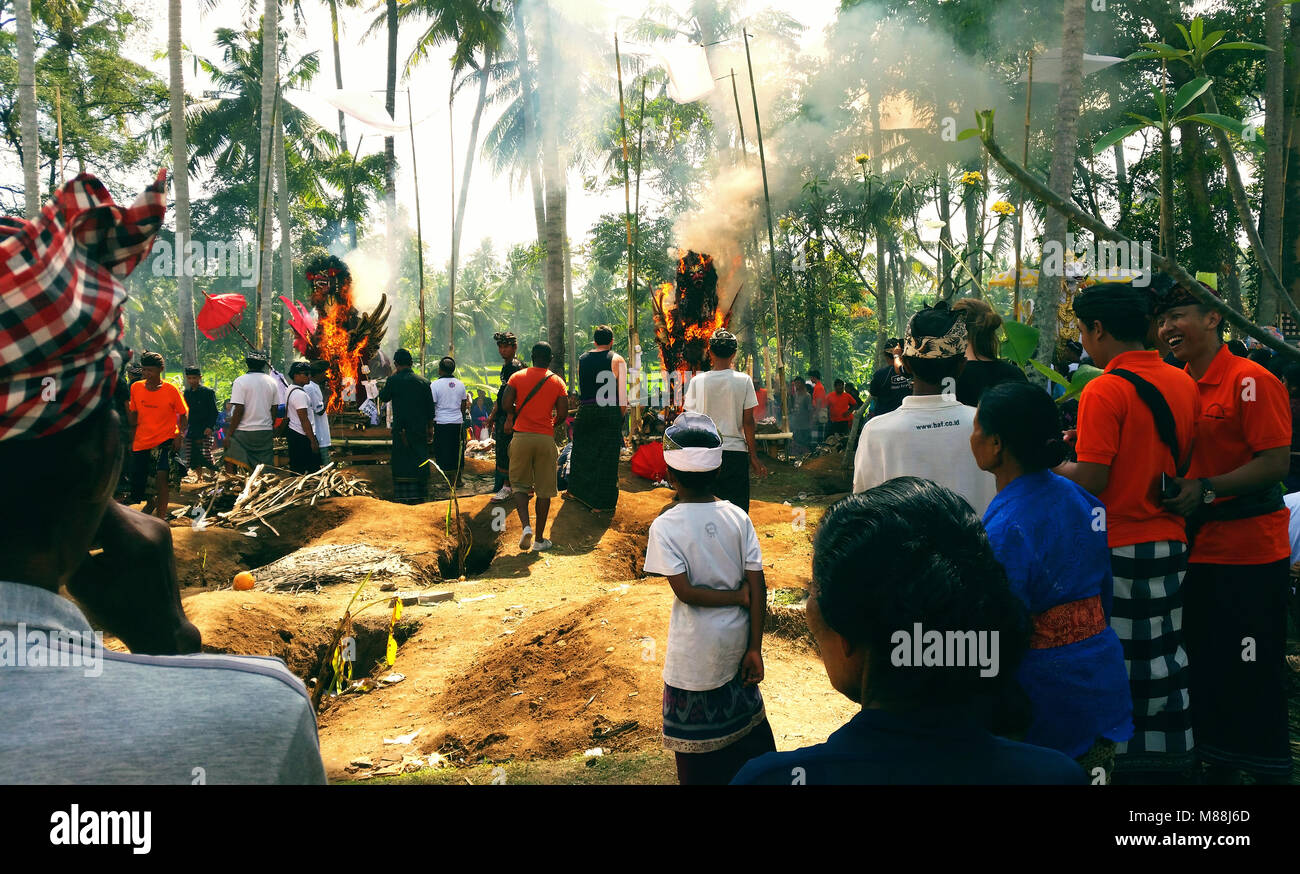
[{"x": 269, "y": 490}]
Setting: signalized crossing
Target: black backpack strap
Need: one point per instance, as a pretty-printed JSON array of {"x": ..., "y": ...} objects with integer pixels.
[{"x": 1164, "y": 417}]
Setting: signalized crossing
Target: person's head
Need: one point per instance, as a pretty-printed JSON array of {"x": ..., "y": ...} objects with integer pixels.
[
  {"x": 839, "y": 386},
  {"x": 602, "y": 336},
  {"x": 402, "y": 359},
  {"x": 1260, "y": 355},
  {"x": 300, "y": 372},
  {"x": 320, "y": 371},
  {"x": 255, "y": 362},
  {"x": 934, "y": 350},
  {"x": 928, "y": 563},
  {"x": 542, "y": 354},
  {"x": 446, "y": 366},
  {"x": 1238, "y": 348},
  {"x": 1017, "y": 425},
  {"x": 1191, "y": 329},
  {"x": 1114, "y": 317},
  {"x": 152, "y": 365},
  {"x": 722, "y": 348},
  {"x": 815, "y": 376},
  {"x": 982, "y": 324},
  {"x": 893, "y": 349},
  {"x": 693, "y": 452},
  {"x": 798, "y": 386},
  {"x": 193, "y": 377},
  {"x": 507, "y": 344},
  {"x": 480, "y": 395}
]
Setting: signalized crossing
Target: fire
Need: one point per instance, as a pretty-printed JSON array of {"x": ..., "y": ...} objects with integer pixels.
[
  {"x": 687, "y": 314},
  {"x": 334, "y": 348}
]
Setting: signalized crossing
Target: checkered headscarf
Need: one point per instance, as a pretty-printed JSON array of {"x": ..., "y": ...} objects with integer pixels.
[{"x": 61, "y": 303}]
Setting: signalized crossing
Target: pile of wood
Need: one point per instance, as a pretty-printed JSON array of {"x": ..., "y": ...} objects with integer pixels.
[
  {"x": 269, "y": 490},
  {"x": 316, "y": 566}
]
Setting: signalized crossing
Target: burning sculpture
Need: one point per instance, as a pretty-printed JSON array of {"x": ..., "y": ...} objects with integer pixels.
[
  {"x": 687, "y": 313},
  {"x": 336, "y": 332}
]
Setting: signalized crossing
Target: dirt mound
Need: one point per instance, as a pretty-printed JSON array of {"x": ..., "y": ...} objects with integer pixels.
[{"x": 559, "y": 682}]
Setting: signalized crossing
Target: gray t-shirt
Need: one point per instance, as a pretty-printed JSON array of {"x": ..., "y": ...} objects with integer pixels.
[{"x": 75, "y": 713}]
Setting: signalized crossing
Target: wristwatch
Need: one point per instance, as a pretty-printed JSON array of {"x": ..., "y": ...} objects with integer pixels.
[{"x": 1207, "y": 492}]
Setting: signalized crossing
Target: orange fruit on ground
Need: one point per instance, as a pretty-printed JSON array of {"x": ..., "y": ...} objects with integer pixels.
[{"x": 243, "y": 581}]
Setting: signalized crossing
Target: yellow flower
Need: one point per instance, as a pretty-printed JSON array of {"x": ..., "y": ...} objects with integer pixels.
[
  {"x": 973, "y": 177},
  {"x": 862, "y": 159},
  {"x": 1002, "y": 207}
]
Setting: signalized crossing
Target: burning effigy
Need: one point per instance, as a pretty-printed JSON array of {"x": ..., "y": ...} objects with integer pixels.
[
  {"x": 687, "y": 313},
  {"x": 334, "y": 329}
]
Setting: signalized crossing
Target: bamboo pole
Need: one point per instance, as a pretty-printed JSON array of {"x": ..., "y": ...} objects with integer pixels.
[
  {"x": 771, "y": 243},
  {"x": 264, "y": 216},
  {"x": 451, "y": 158},
  {"x": 419, "y": 230},
  {"x": 632, "y": 339},
  {"x": 1020, "y": 199}
]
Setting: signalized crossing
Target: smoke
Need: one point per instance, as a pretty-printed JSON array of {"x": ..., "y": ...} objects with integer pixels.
[{"x": 729, "y": 211}]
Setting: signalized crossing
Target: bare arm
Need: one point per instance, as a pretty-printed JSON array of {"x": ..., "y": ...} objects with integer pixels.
[
  {"x": 700, "y": 596},
  {"x": 236, "y": 415},
  {"x": 1265, "y": 469},
  {"x": 1093, "y": 477},
  {"x": 508, "y": 404},
  {"x": 752, "y": 443}
]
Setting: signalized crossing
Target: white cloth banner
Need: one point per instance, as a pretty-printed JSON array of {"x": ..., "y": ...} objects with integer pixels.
[
  {"x": 1047, "y": 66},
  {"x": 363, "y": 106},
  {"x": 689, "y": 76}
]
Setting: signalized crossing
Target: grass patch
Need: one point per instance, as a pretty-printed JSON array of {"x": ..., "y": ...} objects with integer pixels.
[{"x": 652, "y": 768}]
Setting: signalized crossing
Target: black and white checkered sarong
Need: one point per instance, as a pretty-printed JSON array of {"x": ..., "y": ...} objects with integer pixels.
[{"x": 1147, "y": 615}]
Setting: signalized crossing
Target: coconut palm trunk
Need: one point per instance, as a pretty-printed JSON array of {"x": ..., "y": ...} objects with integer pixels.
[
  {"x": 286, "y": 238},
  {"x": 1050, "y": 283},
  {"x": 554, "y": 176},
  {"x": 1274, "y": 153},
  {"x": 270, "y": 66},
  {"x": 390, "y": 156},
  {"x": 27, "y": 107},
  {"x": 181, "y": 183},
  {"x": 343, "y": 128}
]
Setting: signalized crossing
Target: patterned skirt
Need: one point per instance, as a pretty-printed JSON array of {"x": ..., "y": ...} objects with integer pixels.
[
  {"x": 597, "y": 442},
  {"x": 1147, "y": 615},
  {"x": 703, "y": 722}
]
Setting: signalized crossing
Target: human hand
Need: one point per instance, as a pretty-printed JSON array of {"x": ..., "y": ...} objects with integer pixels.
[
  {"x": 509, "y": 426},
  {"x": 1188, "y": 497},
  {"x": 130, "y": 587},
  {"x": 1070, "y": 437},
  {"x": 742, "y": 595},
  {"x": 757, "y": 466},
  {"x": 751, "y": 667}
]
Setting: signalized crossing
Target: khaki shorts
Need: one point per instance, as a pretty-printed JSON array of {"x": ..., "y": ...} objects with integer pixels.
[{"x": 532, "y": 463}]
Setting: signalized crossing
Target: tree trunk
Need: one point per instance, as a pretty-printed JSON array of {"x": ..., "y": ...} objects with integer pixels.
[
  {"x": 970, "y": 211},
  {"x": 827, "y": 362},
  {"x": 946, "y": 285},
  {"x": 531, "y": 142},
  {"x": 1207, "y": 239},
  {"x": 390, "y": 157},
  {"x": 572, "y": 337},
  {"x": 1050, "y": 284},
  {"x": 1274, "y": 181},
  {"x": 181, "y": 183},
  {"x": 898, "y": 281},
  {"x": 270, "y": 68},
  {"x": 343, "y": 128},
  {"x": 553, "y": 169},
  {"x": 1290, "y": 264},
  {"x": 27, "y": 107},
  {"x": 286, "y": 238},
  {"x": 458, "y": 218}
]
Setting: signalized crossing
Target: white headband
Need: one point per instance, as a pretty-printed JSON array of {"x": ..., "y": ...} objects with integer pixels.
[{"x": 694, "y": 458}]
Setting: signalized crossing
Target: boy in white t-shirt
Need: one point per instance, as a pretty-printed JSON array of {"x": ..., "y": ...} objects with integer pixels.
[
  {"x": 450, "y": 407},
  {"x": 929, "y": 435},
  {"x": 714, "y": 720}
]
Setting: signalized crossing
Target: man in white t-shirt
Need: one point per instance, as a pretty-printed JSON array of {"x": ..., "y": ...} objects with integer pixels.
[
  {"x": 728, "y": 398},
  {"x": 929, "y": 435},
  {"x": 253, "y": 399},
  {"x": 304, "y": 451},
  {"x": 450, "y": 407},
  {"x": 318, "y": 389}
]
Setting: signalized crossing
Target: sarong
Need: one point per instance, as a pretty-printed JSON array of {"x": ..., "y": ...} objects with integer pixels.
[
  {"x": 449, "y": 449},
  {"x": 248, "y": 449},
  {"x": 503, "y": 457},
  {"x": 1147, "y": 615},
  {"x": 597, "y": 442},
  {"x": 302, "y": 458},
  {"x": 732, "y": 481},
  {"x": 410, "y": 463},
  {"x": 1235, "y": 620},
  {"x": 703, "y": 722},
  {"x": 196, "y": 452}
]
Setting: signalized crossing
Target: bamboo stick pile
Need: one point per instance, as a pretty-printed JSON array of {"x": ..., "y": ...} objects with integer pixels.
[{"x": 269, "y": 490}]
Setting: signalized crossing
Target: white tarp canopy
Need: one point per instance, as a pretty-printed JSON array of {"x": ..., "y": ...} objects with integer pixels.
[
  {"x": 366, "y": 107},
  {"x": 1047, "y": 66}
]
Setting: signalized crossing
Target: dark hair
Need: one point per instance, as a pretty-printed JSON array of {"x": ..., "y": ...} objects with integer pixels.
[
  {"x": 542, "y": 354},
  {"x": 838, "y": 382},
  {"x": 934, "y": 370},
  {"x": 151, "y": 359},
  {"x": 1238, "y": 348},
  {"x": 193, "y": 371},
  {"x": 982, "y": 323},
  {"x": 255, "y": 364},
  {"x": 814, "y": 374},
  {"x": 447, "y": 365},
  {"x": 299, "y": 367},
  {"x": 402, "y": 358},
  {"x": 1028, "y": 422},
  {"x": 930, "y": 562},
  {"x": 1291, "y": 373},
  {"x": 1124, "y": 311},
  {"x": 1259, "y": 355},
  {"x": 602, "y": 335},
  {"x": 695, "y": 480}
]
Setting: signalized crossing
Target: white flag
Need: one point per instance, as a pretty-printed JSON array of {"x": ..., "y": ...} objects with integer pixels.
[{"x": 689, "y": 76}]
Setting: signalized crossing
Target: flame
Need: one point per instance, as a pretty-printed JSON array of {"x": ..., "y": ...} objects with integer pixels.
[
  {"x": 683, "y": 334},
  {"x": 334, "y": 347}
]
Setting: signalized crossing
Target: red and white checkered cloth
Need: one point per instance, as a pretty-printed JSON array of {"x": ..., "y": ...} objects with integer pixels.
[{"x": 61, "y": 303}]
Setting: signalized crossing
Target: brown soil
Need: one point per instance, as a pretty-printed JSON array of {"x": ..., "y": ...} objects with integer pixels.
[{"x": 576, "y": 632}]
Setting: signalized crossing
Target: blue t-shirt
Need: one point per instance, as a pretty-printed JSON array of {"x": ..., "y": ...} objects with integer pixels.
[
  {"x": 928, "y": 747},
  {"x": 1042, "y": 528}
]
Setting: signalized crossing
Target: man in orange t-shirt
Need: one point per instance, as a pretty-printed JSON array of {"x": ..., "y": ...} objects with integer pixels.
[
  {"x": 818, "y": 405},
  {"x": 1121, "y": 457},
  {"x": 1237, "y": 580},
  {"x": 841, "y": 405},
  {"x": 534, "y": 400},
  {"x": 159, "y": 416}
]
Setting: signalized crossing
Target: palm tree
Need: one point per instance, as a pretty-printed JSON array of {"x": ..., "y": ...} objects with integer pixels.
[
  {"x": 181, "y": 181},
  {"x": 270, "y": 84},
  {"x": 1048, "y": 298},
  {"x": 390, "y": 157},
  {"x": 27, "y": 106},
  {"x": 338, "y": 83}
]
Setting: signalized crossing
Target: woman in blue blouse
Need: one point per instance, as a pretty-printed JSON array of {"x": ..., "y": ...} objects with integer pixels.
[{"x": 1050, "y": 535}]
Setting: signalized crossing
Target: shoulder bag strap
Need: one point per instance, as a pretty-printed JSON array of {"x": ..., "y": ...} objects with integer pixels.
[{"x": 1164, "y": 417}]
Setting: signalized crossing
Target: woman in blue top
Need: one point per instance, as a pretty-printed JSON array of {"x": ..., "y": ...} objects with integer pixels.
[{"x": 1050, "y": 535}]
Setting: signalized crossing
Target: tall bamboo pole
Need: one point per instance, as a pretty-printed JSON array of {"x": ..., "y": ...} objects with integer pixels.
[
  {"x": 419, "y": 231},
  {"x": 752, "y": 310},
  {"x": 1020, "y": 198},
  {"x": 632, "y": 339},
  {"x": 771, "y": 244}
]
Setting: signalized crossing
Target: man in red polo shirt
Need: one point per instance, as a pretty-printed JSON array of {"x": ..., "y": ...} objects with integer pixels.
[
  {"x": 841, "y": 406},
  {"x": 534, "y": 400},
  {"x": 1237, "y": 579},
  {"x": 1121, "y": 457}
]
